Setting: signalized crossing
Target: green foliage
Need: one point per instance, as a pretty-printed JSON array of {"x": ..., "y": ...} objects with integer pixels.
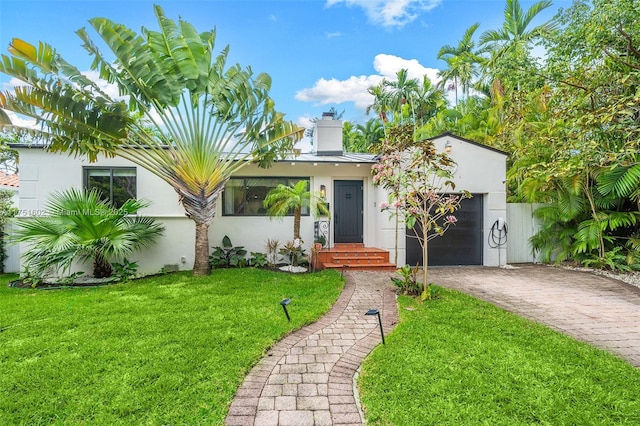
[
  {"x": 227, "y": 256},
  {"x": 294, "y": 252},
  {"x": 258, "y": 260},
  {"x": 284, "y": 199},
  {"x": 614, "y": 259},
  {"x": 408, "y": 282},
  {"x": 80, "y": 226},
  {"x": 431, "y": 292},
  {"x": 125, "y": 271}
]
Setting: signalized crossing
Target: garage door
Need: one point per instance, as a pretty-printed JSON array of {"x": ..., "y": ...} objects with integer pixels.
[{"x": 460, "y": 245}]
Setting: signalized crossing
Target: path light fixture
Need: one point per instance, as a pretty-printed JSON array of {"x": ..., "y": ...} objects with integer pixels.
[
  {"x": 447, "y": 147},
  {"x": 284, "y": 304},
  {"x": 377, "y": 312}
]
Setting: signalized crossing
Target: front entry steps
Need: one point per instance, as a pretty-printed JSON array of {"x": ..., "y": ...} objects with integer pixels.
[{"x": 355, "y": 256}]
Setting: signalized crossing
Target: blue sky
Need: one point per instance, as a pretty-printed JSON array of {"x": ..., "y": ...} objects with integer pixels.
[{"x": 320, "y": 53}]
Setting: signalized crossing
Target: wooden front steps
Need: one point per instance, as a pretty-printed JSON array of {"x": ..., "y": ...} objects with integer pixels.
[{"x": 355, "y": 256}]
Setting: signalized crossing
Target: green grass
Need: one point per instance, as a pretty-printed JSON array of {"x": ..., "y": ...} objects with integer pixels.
[
  {"x": 163, "y": 350},
  {"x": 460, "y": 361}
]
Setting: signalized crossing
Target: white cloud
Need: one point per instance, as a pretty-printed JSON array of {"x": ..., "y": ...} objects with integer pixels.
[
  {"x": 354, "y": 89},
  {"x": 390, "y": 13},
  {"x": 335, "y": 91},
  {"x": 334, "y": 34},
  {"x": 21, "y": 121}
]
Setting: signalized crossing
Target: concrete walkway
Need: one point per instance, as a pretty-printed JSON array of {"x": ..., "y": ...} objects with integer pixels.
[
  {"x": 308, "y": 377},
  {"x": 598, "y": 310}
]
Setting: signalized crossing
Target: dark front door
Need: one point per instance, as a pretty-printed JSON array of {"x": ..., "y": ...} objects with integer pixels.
[
  {"x": 347, "y": 220},
  {"x": 460, "y": 245}
]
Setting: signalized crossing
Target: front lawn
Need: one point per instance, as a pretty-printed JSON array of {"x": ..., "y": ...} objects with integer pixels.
[
  {"x": 171, "y": 349},
  {"x": 461, "y": 361}
]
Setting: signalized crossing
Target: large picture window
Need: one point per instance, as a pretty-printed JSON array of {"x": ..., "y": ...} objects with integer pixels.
[
  {"x": 116, "y": 184},
  {"x": 244, "y": 196}
]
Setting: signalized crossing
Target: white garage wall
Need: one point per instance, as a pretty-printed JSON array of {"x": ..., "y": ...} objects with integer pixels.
[{"x": 480, "y": 170}]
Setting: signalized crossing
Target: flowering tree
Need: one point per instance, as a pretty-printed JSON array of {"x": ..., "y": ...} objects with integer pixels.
[{"x": 420, "y": 182}]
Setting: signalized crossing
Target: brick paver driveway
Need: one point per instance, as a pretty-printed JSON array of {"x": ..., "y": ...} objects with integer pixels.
[{"x": 599, "y": 310}]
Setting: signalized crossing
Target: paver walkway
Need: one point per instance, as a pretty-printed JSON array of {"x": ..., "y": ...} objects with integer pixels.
[
  {"x": 595, "y": 309},
  {"x": 308, "y": 377}
]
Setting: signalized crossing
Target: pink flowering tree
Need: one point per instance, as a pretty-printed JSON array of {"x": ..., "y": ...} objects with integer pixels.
[{"x": 419, "y": 181}]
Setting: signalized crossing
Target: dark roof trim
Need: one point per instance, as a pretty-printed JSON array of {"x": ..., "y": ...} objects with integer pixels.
[{"x": 449, "y": 134}]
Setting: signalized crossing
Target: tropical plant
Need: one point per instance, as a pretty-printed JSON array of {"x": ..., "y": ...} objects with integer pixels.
[
  {"x": 126, "y": 270},
  {"x": 187, "y": 117},
  {"x": 407, "y": 282},
  {"x": 293, "y": 251},
  {"x": 463, "y": 63},
  {"x": 272, "y": 251},
  {"x": 284, "y": 199},
  {"x": 510, "y": 45},
  {"x": 405, "y": 99},
  {"x": 227, "y": 255},
  {"x": 81, "y": 226},
  {"x": 258, "y": 260}
]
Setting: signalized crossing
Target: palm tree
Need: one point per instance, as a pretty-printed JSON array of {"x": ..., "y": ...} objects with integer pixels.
[
  {"x": 207, "y": 119},
  {"x": 283, "y": 199},
  {"x": 83, "y": 226},
  {"x": 401, "y": 92},
  {"x": 462, "y": 60},
  {"x": 515, "y": 36},
  {"x": 381, "y": 101}
]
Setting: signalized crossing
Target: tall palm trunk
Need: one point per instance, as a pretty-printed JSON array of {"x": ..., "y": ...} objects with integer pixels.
[
  {"x": 201, "y": 209},
  {"x": 101, "y": 266},
  {"x": 201, "y": 265},
  {"x": 296, "y": 222}
]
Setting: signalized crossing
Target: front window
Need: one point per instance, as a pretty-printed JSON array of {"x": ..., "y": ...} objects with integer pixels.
[
  {"x": 244, "y": 196},
  {"x": 116, "y": 184}
]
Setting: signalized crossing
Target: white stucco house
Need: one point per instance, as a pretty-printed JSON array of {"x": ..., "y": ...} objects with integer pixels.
[{"x": 345, "y": 178}]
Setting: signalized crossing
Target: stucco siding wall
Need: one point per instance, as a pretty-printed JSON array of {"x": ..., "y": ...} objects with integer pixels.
[{"x": 43, "y": 173}]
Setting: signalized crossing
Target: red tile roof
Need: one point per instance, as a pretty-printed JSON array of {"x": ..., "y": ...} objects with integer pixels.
[{"x": 7, "y": 179}]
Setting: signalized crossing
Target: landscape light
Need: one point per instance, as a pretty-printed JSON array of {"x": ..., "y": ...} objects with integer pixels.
[
  {"x": 284, "y": 304},
  {"x": 377, "y": 312}
]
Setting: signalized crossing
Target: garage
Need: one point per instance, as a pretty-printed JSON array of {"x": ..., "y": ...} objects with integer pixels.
[{"x": 460, "y": 245}]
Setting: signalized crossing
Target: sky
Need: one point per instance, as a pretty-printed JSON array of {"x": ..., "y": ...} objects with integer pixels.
[{"x": 319, "y": 53}]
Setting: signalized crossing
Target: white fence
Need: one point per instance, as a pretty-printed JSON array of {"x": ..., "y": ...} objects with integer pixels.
[{"x": 521, "y": 226}]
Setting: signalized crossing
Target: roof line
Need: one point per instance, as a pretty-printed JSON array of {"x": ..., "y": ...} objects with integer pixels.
[{"x": 453, "y": 135}]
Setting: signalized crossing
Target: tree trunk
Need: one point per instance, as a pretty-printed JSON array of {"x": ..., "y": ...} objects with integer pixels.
[
  {"x": 201, "y": 264},
  {"x": 201, "y": 209},
  {"x": 101, "y": 267},
  {"x": 297, "y": 212},
  {"x": 425, "y": 258}
]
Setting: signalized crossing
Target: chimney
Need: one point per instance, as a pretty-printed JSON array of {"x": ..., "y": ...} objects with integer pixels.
[{"x": 328, "y": 135}]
